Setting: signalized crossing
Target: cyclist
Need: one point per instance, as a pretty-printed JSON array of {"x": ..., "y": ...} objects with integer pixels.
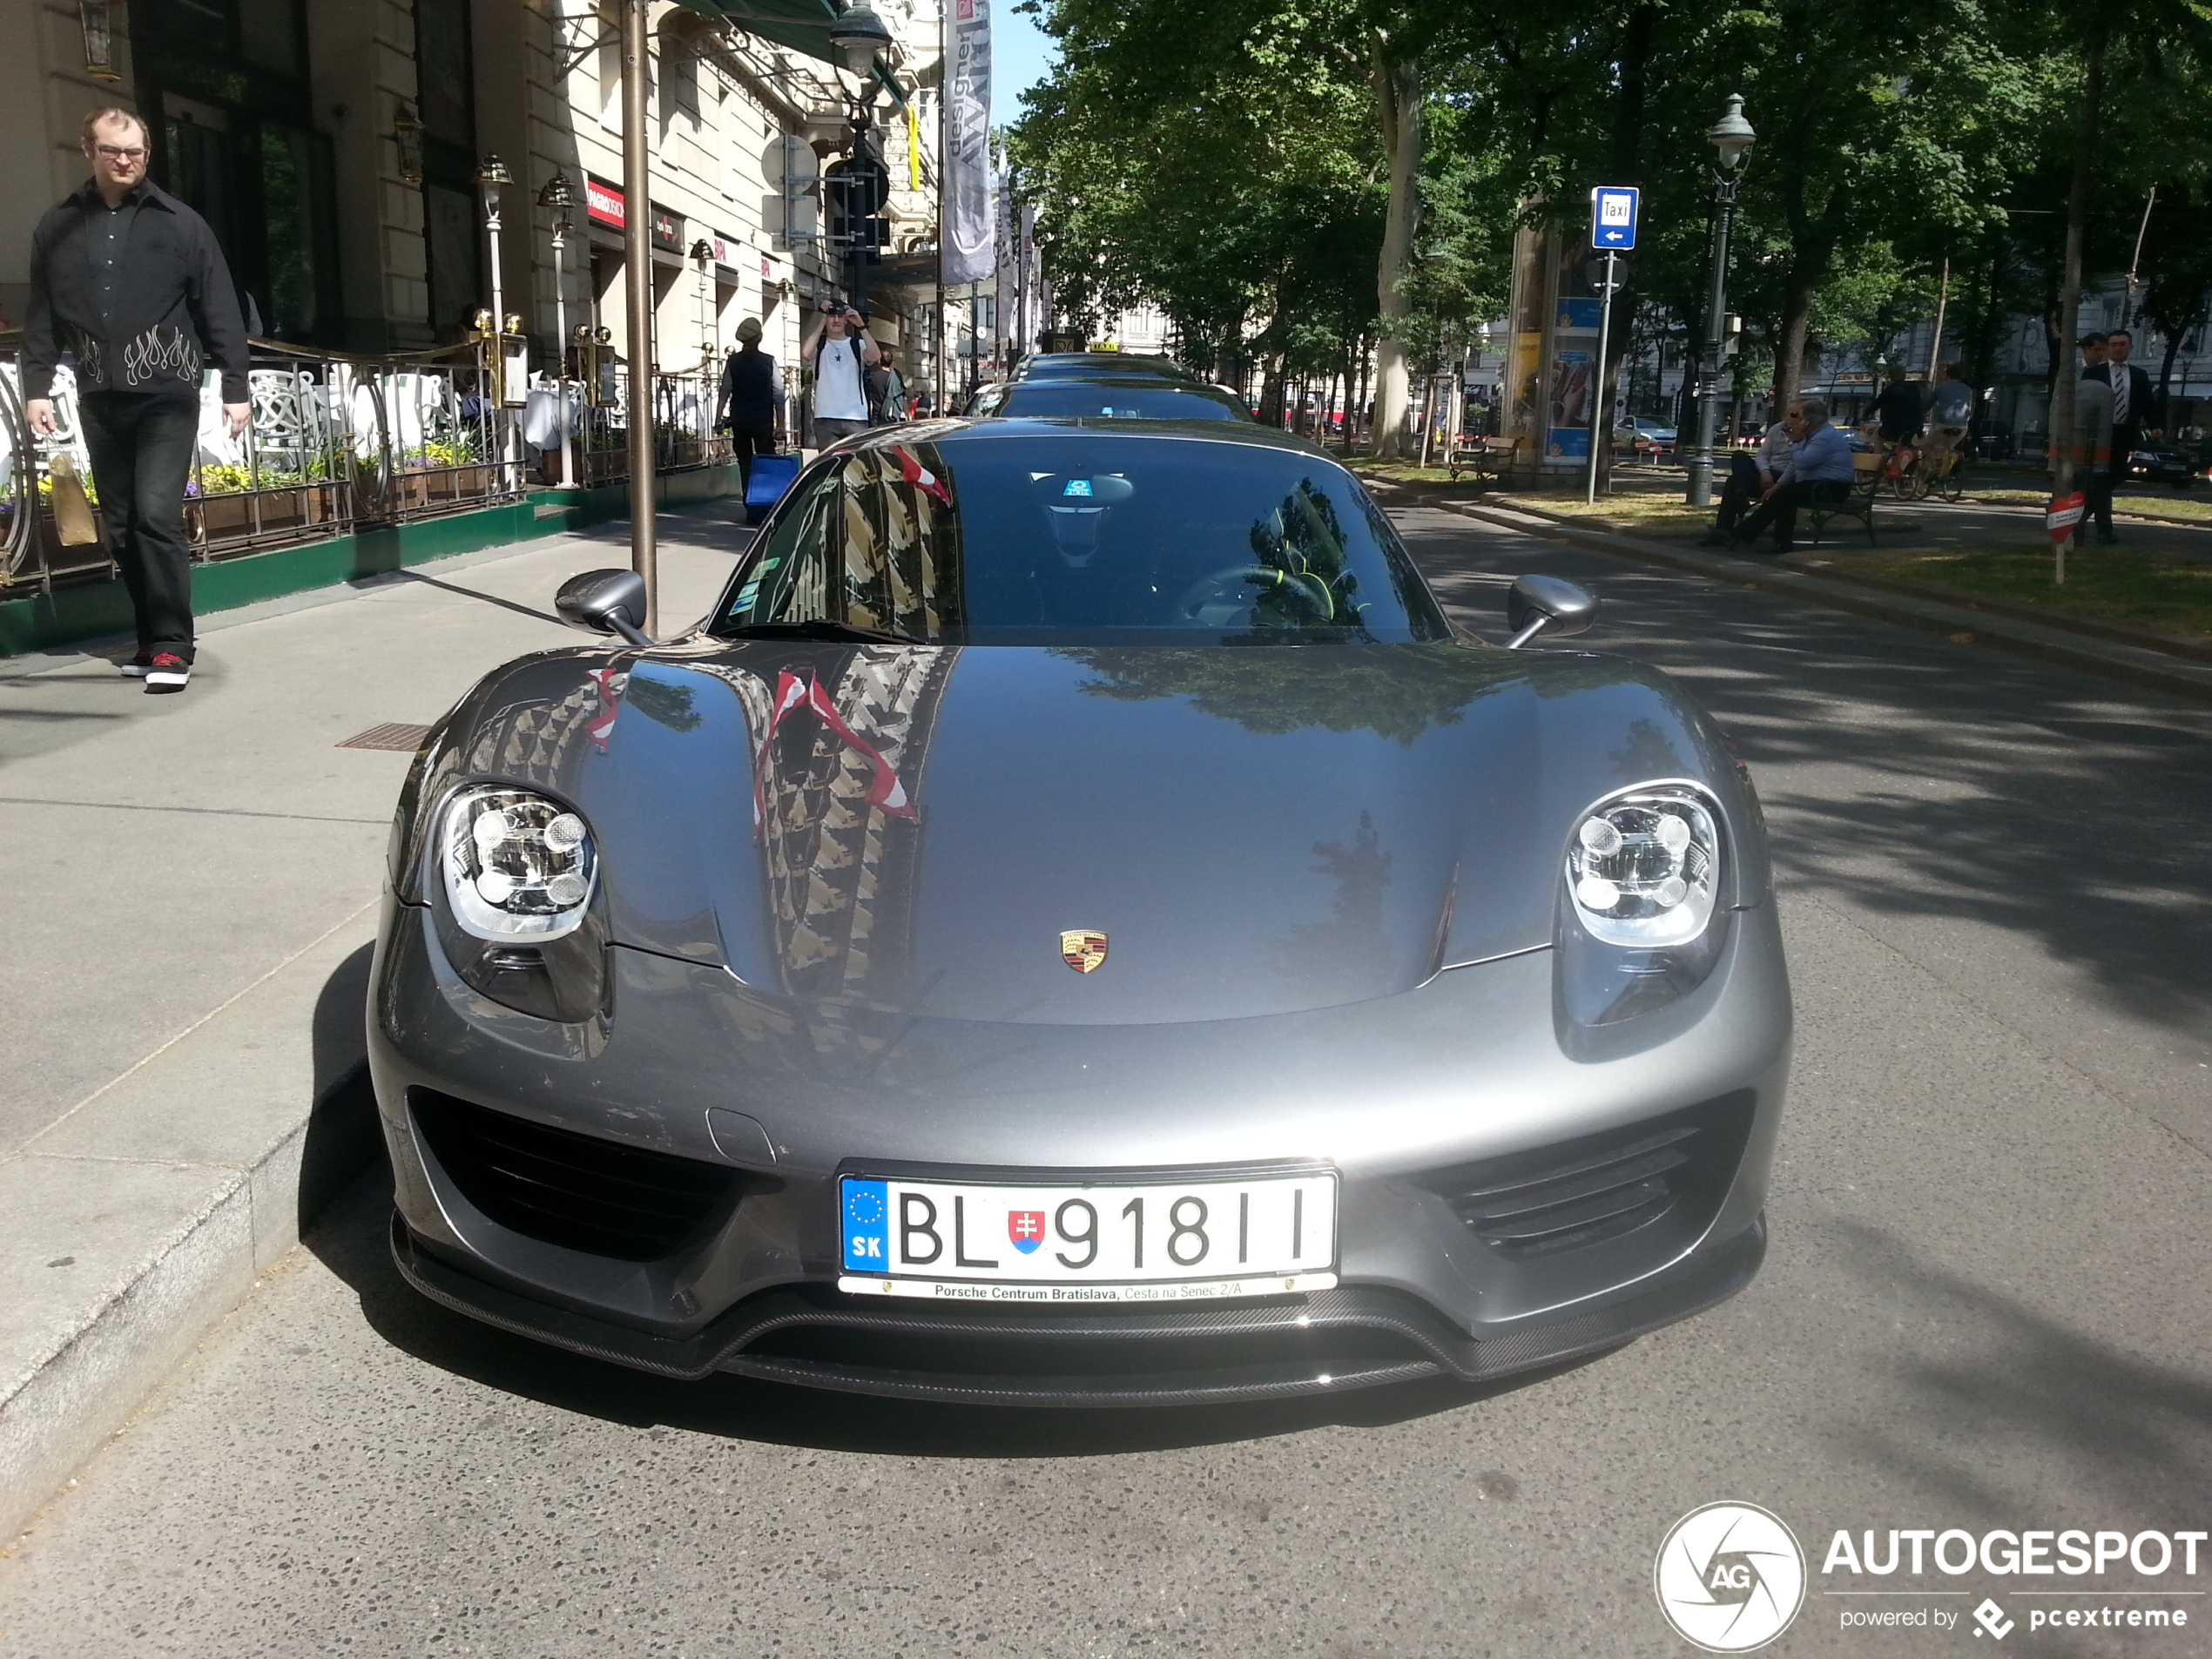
[
  {"x": 1899, "y": 410},
  {"x": 1951, "y": 411}
]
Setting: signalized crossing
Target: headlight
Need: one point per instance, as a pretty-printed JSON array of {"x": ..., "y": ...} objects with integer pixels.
[
  {"x": 1641, "y": 919},
  {"x": 1643, "y": 867},
  {"x": 516, "y": 865}
]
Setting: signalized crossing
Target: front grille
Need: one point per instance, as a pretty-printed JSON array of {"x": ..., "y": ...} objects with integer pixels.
[
  {"x": 575, "y": 1191},
  {"x": 1584, "y": 1191}
]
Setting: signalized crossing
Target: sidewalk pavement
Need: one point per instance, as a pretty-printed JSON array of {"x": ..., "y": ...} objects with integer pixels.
[{"x": 184, "y": 954}]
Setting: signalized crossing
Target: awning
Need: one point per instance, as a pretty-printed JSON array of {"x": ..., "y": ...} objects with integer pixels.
[{"x": 803, "y": 25}]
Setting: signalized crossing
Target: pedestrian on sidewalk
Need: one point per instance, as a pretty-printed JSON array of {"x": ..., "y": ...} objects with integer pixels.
[
  {"x": 886, "y": 390},
  {"x": 2092, "y": 442},
  {"x": 129, "y": 283},
  {"x": 751, "y": 392},
  {"x": 840, "y": 353},
  {"x": 2131, "y": 414},
  {"x": 1819, "y": 468},
  {"x": 1747, "y": 481}
]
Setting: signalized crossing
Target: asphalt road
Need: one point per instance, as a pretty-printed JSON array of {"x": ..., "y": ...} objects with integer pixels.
[{"x": 1985, "y": 1306}]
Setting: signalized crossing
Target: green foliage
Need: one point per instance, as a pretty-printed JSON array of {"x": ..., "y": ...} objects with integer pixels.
[{"x": 1224, "y": 161}]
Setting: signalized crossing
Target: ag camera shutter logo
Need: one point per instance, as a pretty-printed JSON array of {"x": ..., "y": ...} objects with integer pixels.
[{"x": 1730, "y": 1577}]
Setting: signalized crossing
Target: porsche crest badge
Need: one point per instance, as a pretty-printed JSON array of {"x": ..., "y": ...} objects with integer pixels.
[{"x": 1082, "y": 949}]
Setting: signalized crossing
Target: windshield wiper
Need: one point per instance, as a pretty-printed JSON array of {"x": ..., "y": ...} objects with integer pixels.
[{"x": 823, "y": 628}]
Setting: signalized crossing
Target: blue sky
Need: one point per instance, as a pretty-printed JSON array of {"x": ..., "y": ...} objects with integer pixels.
[{"x": 1021, "y": 56}]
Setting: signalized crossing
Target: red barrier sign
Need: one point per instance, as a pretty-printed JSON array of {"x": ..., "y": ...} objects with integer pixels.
[{"x": 2064, "y": 513}]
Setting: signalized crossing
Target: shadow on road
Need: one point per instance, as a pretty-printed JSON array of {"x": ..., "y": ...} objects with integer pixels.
[
  {"x": 2135, "y": 1435},
  {"x": 1921, "y": 776},
  {"x": 351, "y": 1240}
]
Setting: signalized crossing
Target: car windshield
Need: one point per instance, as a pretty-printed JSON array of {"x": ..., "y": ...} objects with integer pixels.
[
  {"x": 1115, "y": 399},
  {"x": 1081, "y": 537}
]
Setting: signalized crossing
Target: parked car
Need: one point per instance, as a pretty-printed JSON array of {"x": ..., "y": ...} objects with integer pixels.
[
  {"x": 1113, "y": 397},
  {"x": 1075, "y": 925},
  {"x": 1644, "y": 437},
  {"x": 1086, "y": 365},
  {"x": 2163, "y": 466}
]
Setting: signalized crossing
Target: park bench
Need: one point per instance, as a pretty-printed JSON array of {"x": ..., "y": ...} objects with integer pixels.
[
  {"x": 1489, "y": 459},
  {"x": 1856, "y": 501}
]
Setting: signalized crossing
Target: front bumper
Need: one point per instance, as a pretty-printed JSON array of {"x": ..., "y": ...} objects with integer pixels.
[
  {"x": 1325, "y": 1342},
  {"x": 1429, "y": 1105}
]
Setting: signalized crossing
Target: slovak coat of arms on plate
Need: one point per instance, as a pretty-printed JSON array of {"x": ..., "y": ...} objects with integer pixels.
[{"x": 1082, "y": 949}]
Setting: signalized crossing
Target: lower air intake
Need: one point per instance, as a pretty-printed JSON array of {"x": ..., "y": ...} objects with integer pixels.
[
  {"x": 579, "y": 1191},
  {"x": 1675, "y": 1168}
]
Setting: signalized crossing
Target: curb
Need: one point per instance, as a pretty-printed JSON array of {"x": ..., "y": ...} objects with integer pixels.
[
  {"x": 2045, "y": 641},
  {"x": 132, "y": 1231}
]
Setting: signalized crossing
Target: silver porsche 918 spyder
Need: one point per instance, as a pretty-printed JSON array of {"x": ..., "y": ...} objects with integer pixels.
[{"x": 1075, "y": 925}]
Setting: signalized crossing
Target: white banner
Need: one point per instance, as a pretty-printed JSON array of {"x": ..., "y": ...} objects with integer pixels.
[{"x": 970, "y": 249}]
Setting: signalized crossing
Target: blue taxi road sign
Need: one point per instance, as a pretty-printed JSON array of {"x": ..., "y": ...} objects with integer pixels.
[{"x": 1613, "y": 217}]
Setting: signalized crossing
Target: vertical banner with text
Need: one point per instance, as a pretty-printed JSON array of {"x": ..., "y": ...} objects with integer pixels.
[{"x": 970, "y": 250}]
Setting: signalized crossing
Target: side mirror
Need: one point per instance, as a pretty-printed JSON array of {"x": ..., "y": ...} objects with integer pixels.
[
  {"x": 1541, "y": 602},
  {"x": 605, "y": 602}
]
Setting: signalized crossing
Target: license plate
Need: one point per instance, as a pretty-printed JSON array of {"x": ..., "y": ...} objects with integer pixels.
[{"x": 1070, "y": 1242}]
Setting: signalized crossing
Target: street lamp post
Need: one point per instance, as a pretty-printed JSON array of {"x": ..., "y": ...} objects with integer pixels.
[
  {"x": 556, "y": 195},
  {"x": 703, "y": 257},
  {"x": 1731, "y": 136},
  {"x": 491, "y": 174},
  {"x": 638, "y": 285}
]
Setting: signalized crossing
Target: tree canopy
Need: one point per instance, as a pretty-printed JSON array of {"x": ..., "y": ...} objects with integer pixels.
[{"x": 1232, "y": 163}]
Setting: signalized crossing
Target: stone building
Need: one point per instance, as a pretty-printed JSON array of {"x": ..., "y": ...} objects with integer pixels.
[{"x": 335, "y": 146}]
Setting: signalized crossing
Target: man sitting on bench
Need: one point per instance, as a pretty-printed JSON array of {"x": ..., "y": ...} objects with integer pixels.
[{"x": 1819, "y": 468}]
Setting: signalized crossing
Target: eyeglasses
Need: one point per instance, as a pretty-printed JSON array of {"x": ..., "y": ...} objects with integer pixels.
[{"x": 115, "y": 152}]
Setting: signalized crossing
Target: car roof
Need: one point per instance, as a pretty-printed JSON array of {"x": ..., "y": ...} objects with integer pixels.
[
  {"x": 1220, "y": 394},
  {"x": 1081, "y": 365},
  {"x": 959, "y": 430}
]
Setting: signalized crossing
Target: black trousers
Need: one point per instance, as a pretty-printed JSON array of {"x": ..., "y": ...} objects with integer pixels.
[
  {"x": 1738, "y": 493},
  {"x": 2099, "y": 489},
  {"x": 751, "y": 435},
  {"x": 142, "y": 450},
  {"x": 1782, "y": 511}
]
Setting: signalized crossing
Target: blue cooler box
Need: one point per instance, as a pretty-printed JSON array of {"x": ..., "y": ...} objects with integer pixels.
[{"x": 772, "y": 475}]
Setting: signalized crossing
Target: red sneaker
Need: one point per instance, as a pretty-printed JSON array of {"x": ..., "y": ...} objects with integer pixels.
[{"x": 167, "y": 672}]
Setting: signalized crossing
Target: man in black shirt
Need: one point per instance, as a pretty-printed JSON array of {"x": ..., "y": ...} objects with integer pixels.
[{"x": 129, "y": 281}]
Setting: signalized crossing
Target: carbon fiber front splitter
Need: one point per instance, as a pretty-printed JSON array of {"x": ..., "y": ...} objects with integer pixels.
[{"x": 1324, "y": 1342}]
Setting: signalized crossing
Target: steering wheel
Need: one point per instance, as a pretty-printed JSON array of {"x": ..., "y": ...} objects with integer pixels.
[{"x": 1214, "y": 588}]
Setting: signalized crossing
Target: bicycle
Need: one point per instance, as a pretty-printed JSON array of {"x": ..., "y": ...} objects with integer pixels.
[{"x": 1939, "y": 470}]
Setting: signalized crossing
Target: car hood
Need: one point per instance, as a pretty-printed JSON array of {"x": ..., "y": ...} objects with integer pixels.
[{"x": 1230, "y": 831}]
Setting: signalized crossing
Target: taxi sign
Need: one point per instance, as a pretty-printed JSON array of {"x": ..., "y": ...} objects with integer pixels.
[{"x": 1613, "y": 217}]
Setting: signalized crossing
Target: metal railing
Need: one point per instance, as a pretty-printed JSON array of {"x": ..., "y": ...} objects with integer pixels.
[
  {"x": 684, "y": 411},
  {"x": 336, "y": 442}
]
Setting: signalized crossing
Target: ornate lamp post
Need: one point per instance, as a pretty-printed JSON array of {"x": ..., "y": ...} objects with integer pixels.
[
  {"x": 703, "y": 259},
  {"x": 491, "y": 173},
  {"x": 860, "y": 34},
  {"x": 557, "y": 196},
  {"x": 1731, "y": 136}
]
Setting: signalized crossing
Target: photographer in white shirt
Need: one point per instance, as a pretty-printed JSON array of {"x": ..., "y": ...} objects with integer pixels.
[{"x": 840, "y": 353}]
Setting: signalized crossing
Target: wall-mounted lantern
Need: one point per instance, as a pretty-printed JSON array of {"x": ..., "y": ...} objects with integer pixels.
[
  {"x": 99, "y": 40},
  {"x": 407, "y": 133}
]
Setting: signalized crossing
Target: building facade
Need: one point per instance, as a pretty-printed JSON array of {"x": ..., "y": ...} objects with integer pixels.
[{"x": 336, "y": 147}]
